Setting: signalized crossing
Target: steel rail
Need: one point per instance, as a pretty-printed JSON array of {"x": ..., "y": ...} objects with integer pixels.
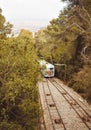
[
  {"x": 48, "y": 106},
  {"x": 56, "y": 107},
  {"x": 73, "y": 99},
  {"x": 53, "y": 123},
  {"x": 68, "y": 100}
]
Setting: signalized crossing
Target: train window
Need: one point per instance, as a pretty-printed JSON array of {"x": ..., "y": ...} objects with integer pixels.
[{"x": 51, "y": 68}]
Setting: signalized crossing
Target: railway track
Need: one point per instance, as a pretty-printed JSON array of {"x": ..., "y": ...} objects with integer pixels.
[
  {"x": 61, "y": 110},
  {"x": 55, "y": 117}
]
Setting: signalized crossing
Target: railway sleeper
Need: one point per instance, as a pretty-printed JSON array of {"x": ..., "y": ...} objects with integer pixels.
[
  {"x": 48, "y": 94},
  {"x": 51, "y": 105}
]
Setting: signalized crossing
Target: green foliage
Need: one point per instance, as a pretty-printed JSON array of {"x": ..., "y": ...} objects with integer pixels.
[
  {"x": 64, "y": 42},
  {"x": 87, "y": 5},
  {"x": 10, "y": 126},
  {"x": 81, "y": 82},
  {"x": 19, "y": 106},
  {"x": 78, "y": 87},
  {"x": 5, "y": 27}
]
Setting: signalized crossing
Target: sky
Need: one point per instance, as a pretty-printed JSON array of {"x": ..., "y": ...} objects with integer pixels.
[{"x": 30, "y": 13}]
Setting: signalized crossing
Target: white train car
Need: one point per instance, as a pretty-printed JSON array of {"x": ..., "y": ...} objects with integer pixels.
[{"x": 47, "y": 69}]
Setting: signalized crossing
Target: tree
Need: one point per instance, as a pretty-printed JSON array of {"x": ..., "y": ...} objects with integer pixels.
[
  {"x": 5, "y": 27},
  {"x": 18, "y": 78},
  {"x": 67, "y": 36},
  {"x": 82, "y": 3},
  {"x": 25, "y": 34}
]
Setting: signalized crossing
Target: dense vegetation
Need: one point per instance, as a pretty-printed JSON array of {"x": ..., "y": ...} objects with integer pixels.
[
  {"x": 19, "y": 108},
  {"x": 5, "y": 27},
  {"x": 67, "y": 41}
]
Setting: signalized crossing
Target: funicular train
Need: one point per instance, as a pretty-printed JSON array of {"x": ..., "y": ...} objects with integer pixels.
[{"x": 47, "y": 69}]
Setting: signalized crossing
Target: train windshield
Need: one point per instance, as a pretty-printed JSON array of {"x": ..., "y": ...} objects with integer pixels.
[{"x": 51, "y": 68}]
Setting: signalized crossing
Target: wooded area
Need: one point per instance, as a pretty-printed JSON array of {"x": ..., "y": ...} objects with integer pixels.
[
  {"x": 66, "y": 40},
  {"x": 19, "y": 107}
]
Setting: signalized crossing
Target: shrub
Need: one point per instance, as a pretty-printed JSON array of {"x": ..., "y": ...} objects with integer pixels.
[
  {"x": 78, "y": 87},
  {"x": 18, "y": 78},
  {"x": 81, "y": 82}
]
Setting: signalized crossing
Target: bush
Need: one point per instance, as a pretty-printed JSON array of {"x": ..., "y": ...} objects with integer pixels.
[
  {"x": 78, "y": 87},
  {"x": 18, "y": 78},
  {"x": 81, "y": 82}
]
